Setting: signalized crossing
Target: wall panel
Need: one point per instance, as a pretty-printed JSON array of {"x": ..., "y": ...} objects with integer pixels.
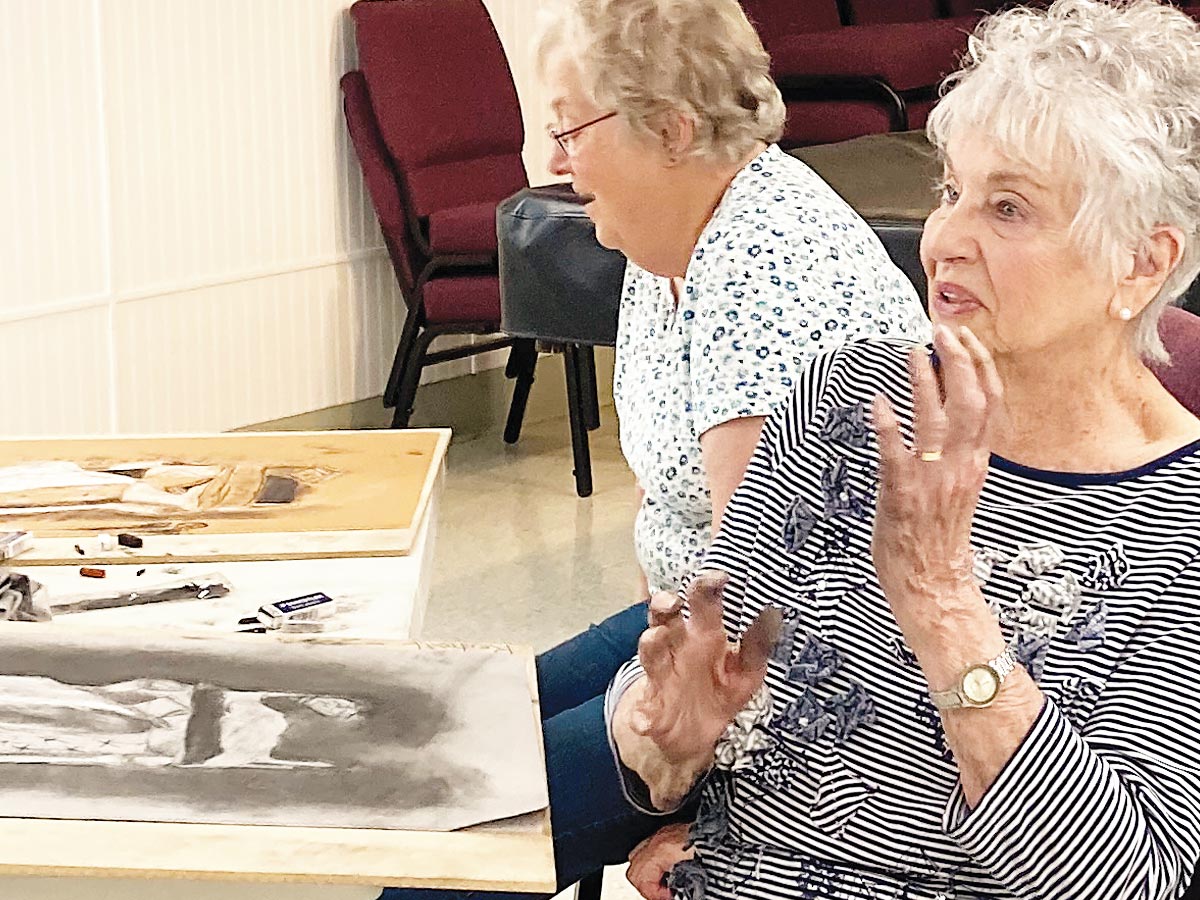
[{"x": 187, "y": 239}]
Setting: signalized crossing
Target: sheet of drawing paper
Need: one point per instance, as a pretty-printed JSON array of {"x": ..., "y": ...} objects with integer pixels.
[{"x": 247, "y": 730}]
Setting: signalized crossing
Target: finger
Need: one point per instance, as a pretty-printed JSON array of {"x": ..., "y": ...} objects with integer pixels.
[
  {"x": 929, "y": 419},
  {"x": 704, "y": 601},
  {"x": 989, "y": 379},
  {"x": 664, "y": 606},
  {"x": 894, "y": 458},
  {"x": 758, "y": 641},
  {"x": 964, "y": 406},
  {"x": 656, "y": 648}
]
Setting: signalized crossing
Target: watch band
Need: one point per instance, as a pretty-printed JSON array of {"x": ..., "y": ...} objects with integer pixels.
[{"x": 1000, "y": 667}]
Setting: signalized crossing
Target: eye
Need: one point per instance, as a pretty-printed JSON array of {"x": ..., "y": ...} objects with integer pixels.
[
  {"x": 1007, "y": 209},
  {"x": 949, "y": 193}
]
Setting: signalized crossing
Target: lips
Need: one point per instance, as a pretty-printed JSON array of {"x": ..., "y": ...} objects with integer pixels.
[{"x": 952, "y": 299}]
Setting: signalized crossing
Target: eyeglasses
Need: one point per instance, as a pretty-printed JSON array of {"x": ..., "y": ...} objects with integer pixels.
[{"x": 561, "y": 136}]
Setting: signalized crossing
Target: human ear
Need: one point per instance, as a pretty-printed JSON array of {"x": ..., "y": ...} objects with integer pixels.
[
  {"x": 1153, "y": 262},
  {"x": 677, "y": 132}
]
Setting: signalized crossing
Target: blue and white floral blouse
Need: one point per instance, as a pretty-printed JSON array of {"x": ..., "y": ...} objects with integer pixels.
[{"x": 783, "y": 271}]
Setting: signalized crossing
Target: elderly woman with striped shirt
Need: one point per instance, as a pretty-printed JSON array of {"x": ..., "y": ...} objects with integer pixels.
[{"x": 946, "y": 642}]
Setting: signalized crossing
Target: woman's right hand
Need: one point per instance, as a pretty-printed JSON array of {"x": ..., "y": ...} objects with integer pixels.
[{"x": 696, "y": 681}]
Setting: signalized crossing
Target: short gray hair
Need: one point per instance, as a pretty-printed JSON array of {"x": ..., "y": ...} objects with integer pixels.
[
  {"x": 647, "y": 58},
  {"x": 1115, "y": 86}
]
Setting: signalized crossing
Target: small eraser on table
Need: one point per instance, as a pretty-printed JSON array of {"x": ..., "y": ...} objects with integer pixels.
[{"x": 13, "y": 543}]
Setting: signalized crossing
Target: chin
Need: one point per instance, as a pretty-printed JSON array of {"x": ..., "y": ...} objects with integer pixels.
[{"x": 608, "y": 237}]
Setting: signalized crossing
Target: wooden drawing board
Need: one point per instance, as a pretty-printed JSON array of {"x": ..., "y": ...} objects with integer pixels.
[
  {"x": 511, "y": 855},
  {"x": 355, "y": 493}
]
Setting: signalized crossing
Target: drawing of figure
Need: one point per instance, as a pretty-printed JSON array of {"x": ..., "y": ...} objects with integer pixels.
[
  {"x": 158, "y": 486},
  {"x": 158, "y": 722}
]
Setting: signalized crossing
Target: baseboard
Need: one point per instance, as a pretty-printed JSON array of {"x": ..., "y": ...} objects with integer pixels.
[{"x": 471, "y": 405}]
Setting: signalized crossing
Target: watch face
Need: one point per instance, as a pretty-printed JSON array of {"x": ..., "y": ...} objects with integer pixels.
[{"x": 980, "y": 684}]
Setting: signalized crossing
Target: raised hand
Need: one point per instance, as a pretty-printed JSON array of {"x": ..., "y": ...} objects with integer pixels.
[
  {"x": 928, "y": 494},
  {"x": 696, "y": 682}
]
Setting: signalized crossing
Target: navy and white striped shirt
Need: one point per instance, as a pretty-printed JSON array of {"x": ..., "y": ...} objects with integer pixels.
[{"x": 838, "y": 782}]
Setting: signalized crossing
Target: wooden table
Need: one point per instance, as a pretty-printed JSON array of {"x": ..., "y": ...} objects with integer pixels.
[{"x": 363, "y": 532}]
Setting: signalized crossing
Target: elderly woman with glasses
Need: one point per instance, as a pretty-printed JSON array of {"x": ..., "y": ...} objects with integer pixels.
[
  {"x": 743, "y": 264},
  {"x": 966, "y": 660}
]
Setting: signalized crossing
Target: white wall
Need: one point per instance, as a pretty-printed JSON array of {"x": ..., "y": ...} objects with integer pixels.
[{"x": 185, "y": 241}]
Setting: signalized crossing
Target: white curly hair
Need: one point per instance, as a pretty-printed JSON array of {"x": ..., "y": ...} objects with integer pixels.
[{"x": 646, "y": 58}]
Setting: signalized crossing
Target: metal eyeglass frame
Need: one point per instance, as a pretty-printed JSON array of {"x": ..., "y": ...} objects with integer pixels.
[{"x": 560, "y": 136}]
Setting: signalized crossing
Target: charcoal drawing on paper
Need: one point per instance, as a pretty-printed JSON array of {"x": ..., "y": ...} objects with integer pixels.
[{"x": 239, "y": 731}]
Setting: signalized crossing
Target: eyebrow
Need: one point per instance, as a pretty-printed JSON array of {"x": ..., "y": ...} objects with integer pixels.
[
  {"x": 1004, "y": 177},
  {"x": 1008, "y": 177}
]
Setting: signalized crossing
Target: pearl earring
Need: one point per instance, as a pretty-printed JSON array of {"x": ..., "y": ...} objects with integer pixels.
[{"x": 1125, "y": 314}]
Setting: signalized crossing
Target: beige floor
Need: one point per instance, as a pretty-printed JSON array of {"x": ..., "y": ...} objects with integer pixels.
[{"x": 520, "y": 558}]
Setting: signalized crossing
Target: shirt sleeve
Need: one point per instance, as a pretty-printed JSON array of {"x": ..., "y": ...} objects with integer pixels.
[{"x": 1112, "y": 810}]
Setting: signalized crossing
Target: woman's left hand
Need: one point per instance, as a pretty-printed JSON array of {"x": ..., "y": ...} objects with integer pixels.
[
  {"x": 652, "y": 860},
  {"x": 928, "y": 494}
]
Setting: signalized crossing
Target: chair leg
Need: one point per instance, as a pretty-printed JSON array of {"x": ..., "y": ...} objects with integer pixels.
[
  {"x": 587, "y": 384},
  {"x": 577, "y": 412},
  {"x": 522, "y": 361},
  {"x": 590, "y": 886},
  {"x": 406, "y": 391},
  {"x": 404, "y": 349}
]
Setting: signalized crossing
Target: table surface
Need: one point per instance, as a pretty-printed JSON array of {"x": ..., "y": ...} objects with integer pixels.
[
  {"x": 208, "y": 497},
  {"x": 379, "y": 597}
]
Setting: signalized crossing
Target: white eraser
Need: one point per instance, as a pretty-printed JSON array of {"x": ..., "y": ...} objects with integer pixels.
[{"x": 13, "y": 543}]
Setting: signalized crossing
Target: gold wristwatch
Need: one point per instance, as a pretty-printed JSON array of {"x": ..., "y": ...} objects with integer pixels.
[{"x": 978, "y": 685}]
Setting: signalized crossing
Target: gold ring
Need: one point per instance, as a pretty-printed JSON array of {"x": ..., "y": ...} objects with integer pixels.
[{"x": 930, "y": 455}]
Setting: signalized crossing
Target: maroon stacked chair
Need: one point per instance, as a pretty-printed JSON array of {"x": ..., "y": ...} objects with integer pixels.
[
  {"x": 822, "y": 105},
  {"x": 435, "y": 121},
  {"x": 1180, "y": 333},
  {"x": 847, "y": 68}
]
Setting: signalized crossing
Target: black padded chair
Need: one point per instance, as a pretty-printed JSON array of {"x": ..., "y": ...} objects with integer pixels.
[{"x": 558, "y": 286}]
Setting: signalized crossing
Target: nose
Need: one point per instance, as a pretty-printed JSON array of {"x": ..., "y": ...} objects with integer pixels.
[
  {"x": 560, "y": 163},
  {"x": 947, "y": 237}
]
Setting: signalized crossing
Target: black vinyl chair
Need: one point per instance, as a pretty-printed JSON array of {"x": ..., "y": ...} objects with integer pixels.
[{"x": 558, "y": 286}]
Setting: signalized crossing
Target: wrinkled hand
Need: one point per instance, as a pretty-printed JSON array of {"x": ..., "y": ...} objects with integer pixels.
[
  {"x": 653, "y": 859},
  {"x": 696, "y": 680},
  {"x": 927, "y": 495}
]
